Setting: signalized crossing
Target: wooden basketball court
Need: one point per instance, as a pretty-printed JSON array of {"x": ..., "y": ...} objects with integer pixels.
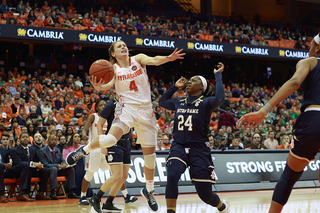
[{"x": 301, "y": 201}]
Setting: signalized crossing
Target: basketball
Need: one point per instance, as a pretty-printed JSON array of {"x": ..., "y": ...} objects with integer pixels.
[{"x": 102, "y": 69}]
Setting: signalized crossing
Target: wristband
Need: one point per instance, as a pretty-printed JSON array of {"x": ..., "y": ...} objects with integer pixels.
[{"x": 268, "y": 107}]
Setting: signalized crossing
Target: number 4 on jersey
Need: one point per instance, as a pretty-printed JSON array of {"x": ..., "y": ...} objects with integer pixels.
[{"x": 133, "y": 86}]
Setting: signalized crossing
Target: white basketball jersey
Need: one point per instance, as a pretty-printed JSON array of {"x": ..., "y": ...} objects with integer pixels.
[
  {"x": 132, "y": 83},
  {"x": 93, "y": 131}
]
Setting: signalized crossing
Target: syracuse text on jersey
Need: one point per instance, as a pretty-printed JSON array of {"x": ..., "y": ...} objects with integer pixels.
[{"x": 130, "y": 75}]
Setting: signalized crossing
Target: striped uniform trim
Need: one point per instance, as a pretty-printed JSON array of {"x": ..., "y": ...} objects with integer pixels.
[
  {"x": 176, "y": 158},
  {"x": 203, "y": 180},
  {"x": 300, "y": 158},
  {"x": 116, "y": 163}
]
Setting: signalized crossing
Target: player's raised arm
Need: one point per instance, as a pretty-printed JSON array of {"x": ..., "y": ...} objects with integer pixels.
[
  {"x": 158, "y": 60},
  {"x": 303, "y": 68},
  {"x": 218, "y": 99}
]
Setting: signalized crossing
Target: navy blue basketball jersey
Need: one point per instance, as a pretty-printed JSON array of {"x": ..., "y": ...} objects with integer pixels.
[
  {"x": 311, "y": 87},
  {"x": 108, "y": 114},
  {"x": 192, "y": 113}
]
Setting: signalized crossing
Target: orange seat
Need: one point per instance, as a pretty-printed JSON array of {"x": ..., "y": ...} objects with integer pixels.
[
  {"x": 60, "y": 180},
  {"x": 11, "y": 193}
]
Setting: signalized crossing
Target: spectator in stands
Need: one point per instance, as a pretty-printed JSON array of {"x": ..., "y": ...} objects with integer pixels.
[
  {"x": 139, "y": 26},
  {"x": 235, "y": 144},
  {"x": 38, "y": 23},
  {"x": 46, "y": 107},
  {"x": 11, "y": 88},
  {"x": 271, "y": 142},
  {"x": 63, "y": 115},
  {"x": 145, "y": 31},
  {"x": 4, "y": 8},
  {"x": 122, "y": 29},
  {"x": 38, "y": 143},
  {"x": 66, "y": 23},
  {"x": 27, "y": 7},
  {"x": 31, "y": 16},
  {"x": 69, "y": 110},
  {"x": 223, "y": 144},
  {"x": 256, "y": 143},
  {"x": 17, "y": 171},
  {"x": 160, "y": 143},
  {"x": 32, "y": 130},
  {"x": 166, "y": 143},
  {"x": 226, "y": 119},
  {"x": 211, "y": 141},
  {"x": 22, "y": 21},
  {"x": 49, "y": 22},
  {"x": 115, "y": 19},
  {"x": 62, "y": 143},
  {"x": 75, "y": 20},
  {"x": 78, "y": 110},
  {"x": 248, "y": 140},
  {"x": 20, "y": 7},
  {"x": 51, "y": 158},
  {"x": 22, "y": 154},
  {"x": 5, "y": 143},
  {"x": 285, "y": 143}
]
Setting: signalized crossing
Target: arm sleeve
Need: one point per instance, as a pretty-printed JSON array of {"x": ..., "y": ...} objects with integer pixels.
[
  {"x": 166, "y": 101},
  {"x": 216, "y": 101}
]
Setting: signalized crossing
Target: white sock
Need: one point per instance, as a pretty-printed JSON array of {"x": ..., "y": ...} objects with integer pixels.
[
  {"x": 87, "y": 149},
  {"x": 124, "y": 192},
  {"x": 83, "y": 194},
  {"x": 106, "y": 141},
  {"x": 150, "y": 185}
]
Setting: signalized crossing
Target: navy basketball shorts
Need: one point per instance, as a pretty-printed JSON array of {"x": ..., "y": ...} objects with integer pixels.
[
  {"x": 198, "y": 157},
  {"x": 306, "y": 135},
  {"x": 120, "y": 153}
]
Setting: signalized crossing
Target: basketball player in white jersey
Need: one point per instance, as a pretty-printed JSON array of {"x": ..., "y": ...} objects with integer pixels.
[
  {"x": 97, "y": 158},
  {"x": 134, "y": 109}
]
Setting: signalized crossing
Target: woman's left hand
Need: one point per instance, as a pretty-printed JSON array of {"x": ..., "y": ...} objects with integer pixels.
[
  {"x": 95, "y": 84},
  {"x": 181, "y": 82},
  {"x": 176, "y": 55},
  {"x": 221, "y": 68}
]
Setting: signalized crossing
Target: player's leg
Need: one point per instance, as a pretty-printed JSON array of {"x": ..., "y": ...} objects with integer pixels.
[
  {"x": 202, "y": 174},
  {"x": 116, "y": 170},
  {"x": 149, "y": 167},
  {"x": 289, "y": 177},
  {"x": 127, "y": 162},
  {"x": 103, "y": 141},
  {"x": 175, "y": 168},
  {"x": 147, "y": 137},
  {"x": 84, "y": 187},
  {"x": 108, "y": 205},
  {"x": 204, "y": 190}
]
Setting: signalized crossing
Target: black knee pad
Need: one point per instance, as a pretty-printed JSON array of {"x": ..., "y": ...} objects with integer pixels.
[
  {"x": 285, "y": 184},
  {"x": 175, "y": 169},
  {"x": 204, "y": 190}
]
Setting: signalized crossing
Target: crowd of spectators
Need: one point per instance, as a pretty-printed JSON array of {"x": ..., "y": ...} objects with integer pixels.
[{"x": 232, "y": 29}]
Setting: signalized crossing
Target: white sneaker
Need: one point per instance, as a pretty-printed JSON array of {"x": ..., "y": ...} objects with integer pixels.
[{"x": 227, "y": 203}]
